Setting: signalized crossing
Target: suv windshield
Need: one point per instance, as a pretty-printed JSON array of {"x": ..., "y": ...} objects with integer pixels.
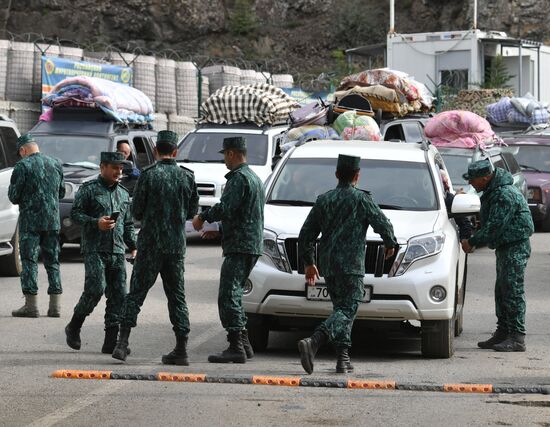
[
  {"x": 73, "y": 149},
  {"x": 393, "y": 184},
  {"x": 204, "y": 148},
  {"x": 533, "y": 157}
]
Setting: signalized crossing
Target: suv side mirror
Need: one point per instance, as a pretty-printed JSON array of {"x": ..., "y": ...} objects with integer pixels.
[{"x": 465, "y": 204}]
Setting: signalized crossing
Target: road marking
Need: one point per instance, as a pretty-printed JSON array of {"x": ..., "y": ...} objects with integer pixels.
[{"x": 109, "y": 387}]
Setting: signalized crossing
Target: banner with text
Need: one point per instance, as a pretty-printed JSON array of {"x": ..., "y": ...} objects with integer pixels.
[{"x": 55, "y": 70}]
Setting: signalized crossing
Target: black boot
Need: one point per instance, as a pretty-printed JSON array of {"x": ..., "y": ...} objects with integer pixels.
[
  {"x": 308, "y": 349},
  {"x": 178, "y": 356},
  {"x": 72, "y": 331},
  {"x": 343, "y": 363},
  {"x": 121, "y": 349},
  {"x": 498, "y": 336},
  {"x": 234, "y": 353},
  {"x": 246, "y": 344},
  {"x": 111, "y": 335},
  {"x": 514, "y": 342}
]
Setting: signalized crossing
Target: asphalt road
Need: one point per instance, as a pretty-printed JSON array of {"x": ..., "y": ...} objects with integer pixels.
[{"x": 31, "y": 349}]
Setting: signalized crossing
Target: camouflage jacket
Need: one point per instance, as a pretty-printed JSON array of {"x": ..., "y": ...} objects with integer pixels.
[
  {"x": 164, "y": 198},
  {"x": 36, "y": 186},
  {"x": 342, "y": 216},
  {"x": 505, "y": 215},
  {"x": 94, "y": 200},
  {"x": 241, "y": 211}
]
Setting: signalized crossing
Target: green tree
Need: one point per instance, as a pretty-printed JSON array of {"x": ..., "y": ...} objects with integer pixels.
[
  {"x": 496, "y": 75},
  {"x": 242, "y": 18}
]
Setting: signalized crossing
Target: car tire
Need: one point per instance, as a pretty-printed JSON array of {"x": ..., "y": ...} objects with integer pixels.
[
  {"x": 438, "y": 338},
  {"x": 545, "y": 224},
  {"x": 258, "y": 332},
  {"x": 10, "y": 265}
]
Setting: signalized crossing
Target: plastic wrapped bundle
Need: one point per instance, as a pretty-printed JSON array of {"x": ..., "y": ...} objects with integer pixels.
[
  {"x": 301, "y": 135},
  {"x": 352, "y": 126},
  {"x": 457, "y": 128}
]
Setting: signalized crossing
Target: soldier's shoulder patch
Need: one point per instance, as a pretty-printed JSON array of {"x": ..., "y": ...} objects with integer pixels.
[
  {"x": 147, "y": 168},
  {"x": 89, "y": 183},
  {"x": 363, "y": 191}
]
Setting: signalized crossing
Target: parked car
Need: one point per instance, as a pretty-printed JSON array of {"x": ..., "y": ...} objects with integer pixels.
[
  {"x": 77, "y": 137},
  {"x": 199, "y": 151},
  {"x": 10, "y": 263},
  {"x": 458, "y": 159},
  {"x": 407, "y": 129},
  {"x": 424, "y": 281},
  {"x": 532, "y": 152}
]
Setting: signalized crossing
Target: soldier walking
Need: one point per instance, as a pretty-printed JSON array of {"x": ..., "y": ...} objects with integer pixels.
[
  {"x": 241, "y": 211},
  {"x": 105, "y": 236},
  {"x": 36, "y": 186},
  {"x": 165, "y": 197},
  {"x": 506, "y": 225},
  {"x": 343, "y": 216}
]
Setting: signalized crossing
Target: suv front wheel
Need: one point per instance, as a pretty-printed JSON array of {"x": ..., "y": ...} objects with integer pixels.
[
  {"x": 10, "y": 265},
  {"x": 438, "y": 338}
]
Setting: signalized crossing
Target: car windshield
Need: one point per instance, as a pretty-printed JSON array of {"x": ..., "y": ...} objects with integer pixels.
[
  {"x": 204, "y": 148},
  {"x": 457, "y": 166},
  {"x": 74, "y": 150},
  {"x": 393, "y": 184},
  {"x": 533, "y": 157}
]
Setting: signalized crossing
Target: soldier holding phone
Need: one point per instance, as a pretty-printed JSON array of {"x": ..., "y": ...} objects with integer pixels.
[{"x": 102, "y": 208}]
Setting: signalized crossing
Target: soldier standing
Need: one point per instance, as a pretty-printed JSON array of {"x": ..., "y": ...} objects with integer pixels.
[
  {"x": 165, "y": 197},
  {"x": 506, "y": 225},
  {"x": 343, "y": 216},
  {"x": 36, "y": 186},
  {"x": 105, "y": 234},
  {"x": 241, "y": 211}
]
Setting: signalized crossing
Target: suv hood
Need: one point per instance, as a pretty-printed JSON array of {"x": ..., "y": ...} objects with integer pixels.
[
  {"x": 288, "y": 220},
  {"x": 78, "y": 175},
  {"x": 536, "y": 179},
  {"x": 215, "y": 172}
]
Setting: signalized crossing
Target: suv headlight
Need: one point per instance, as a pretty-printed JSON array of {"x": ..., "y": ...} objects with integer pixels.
[
  {"x": 274, "y": 250},
  {"x": 418, "y": 248},
  {"x": 70, "y": 190}
]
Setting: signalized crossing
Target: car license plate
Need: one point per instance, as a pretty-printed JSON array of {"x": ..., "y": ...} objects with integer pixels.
[{"x": 319, "y": 292}]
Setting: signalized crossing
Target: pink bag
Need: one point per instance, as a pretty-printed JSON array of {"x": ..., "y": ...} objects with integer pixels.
[{"x": 459, "y": 129}]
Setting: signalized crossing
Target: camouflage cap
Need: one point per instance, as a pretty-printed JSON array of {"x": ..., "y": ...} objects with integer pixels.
[
  {"x": 346, "y": 162},
  {"x": 234, "y": 143},
  {"x": 167, "y": 137},
  {"x": 478, "y": 169},
  {"x": 113, "y": 157},
  {"x": 24, "y": 139}
]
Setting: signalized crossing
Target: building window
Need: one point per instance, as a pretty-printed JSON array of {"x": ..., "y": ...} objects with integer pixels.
[{"x": 456, "y": 79}]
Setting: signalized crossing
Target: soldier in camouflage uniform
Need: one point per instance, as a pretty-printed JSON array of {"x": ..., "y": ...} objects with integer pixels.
[
  {"x": 103, "y": 244},
  {"x": 506, "y": 225},
  {"x": 36, "y": 186},
  {"x": 342, "y": 216},
  {"x": 241, "y": 211},
  {"x": 165, "y": 197}
]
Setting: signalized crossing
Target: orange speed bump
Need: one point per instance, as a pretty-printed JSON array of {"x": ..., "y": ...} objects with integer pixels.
[
  {"x": 284, "y": 381},
  {"x": 187, "y": 378},
  {"x": 376, "y": 385},
  {"x": 468, "y": 388},
  {"x": 82, "y": 375}
]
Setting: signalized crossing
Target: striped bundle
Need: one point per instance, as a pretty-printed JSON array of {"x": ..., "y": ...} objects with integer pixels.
[{"x": 259, "y": 103}]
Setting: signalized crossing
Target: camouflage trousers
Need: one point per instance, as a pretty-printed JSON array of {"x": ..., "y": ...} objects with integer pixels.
[
  {"x": 346, "y": 293},
  {"x": 148, "y": 265},
  {"x": 234, "y": 272},
  {"x": 30, "y": 244},
  {"x": 103, "y": 273},
  {"x": 509, "y": 291}
]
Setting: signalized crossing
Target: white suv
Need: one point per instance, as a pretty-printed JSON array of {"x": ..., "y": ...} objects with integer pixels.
[
  {"x": 199, "y": 151},
  {"x": 424, "y": 281},
  {"x": 10, "y": 263}
]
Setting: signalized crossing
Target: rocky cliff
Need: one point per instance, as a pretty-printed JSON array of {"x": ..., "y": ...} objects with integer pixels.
[{"x": 303, "y": 36}]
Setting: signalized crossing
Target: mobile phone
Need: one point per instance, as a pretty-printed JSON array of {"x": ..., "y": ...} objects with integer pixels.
[{"x": 114, "y": 215}]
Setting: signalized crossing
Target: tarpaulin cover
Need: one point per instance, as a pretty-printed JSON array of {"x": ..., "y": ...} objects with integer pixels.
[
  {"x": 352, "y": 126},
  {"x": 457, "y": 128},
  {"x": 259, "y": 103},
  {"x": 122, "y": 102}
]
